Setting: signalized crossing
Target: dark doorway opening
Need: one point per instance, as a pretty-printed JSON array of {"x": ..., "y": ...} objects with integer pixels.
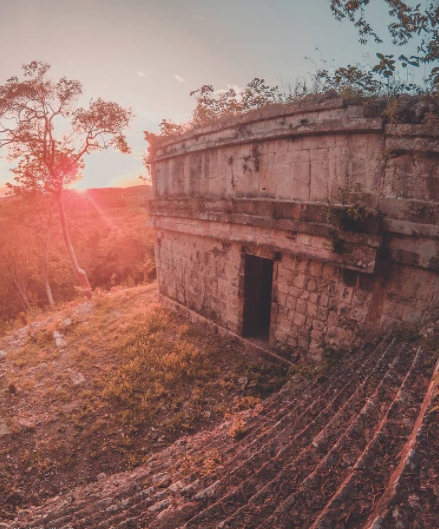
[{"x": 258, "y": 280}]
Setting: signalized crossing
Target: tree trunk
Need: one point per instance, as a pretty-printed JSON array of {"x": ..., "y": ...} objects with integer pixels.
[
  {"x": 17, "y": 271},
  {"x": 24, "y": 302},
  {"x": 79, "y": 273},
  {"x": 46, "y": 262},
  {"x": 48, "y": 290}
]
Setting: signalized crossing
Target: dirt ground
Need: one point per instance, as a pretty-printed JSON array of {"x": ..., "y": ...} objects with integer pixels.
[{"x": 98, "y": 387}]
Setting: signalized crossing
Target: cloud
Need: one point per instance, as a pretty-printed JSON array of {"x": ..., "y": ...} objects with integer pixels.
[
  {"x": 197, "y": 17},
  {"x": 179, "y": 78},
  {"x": 141, "y": 73}
]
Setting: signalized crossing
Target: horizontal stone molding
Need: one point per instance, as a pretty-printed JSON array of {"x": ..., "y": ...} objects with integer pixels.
[
  {"x": 321, "y": 107},
  {"x": 409, "y": 144},
  {"x": 405, "y": 217},
  {"x": 411, "y": 138},
  {"x": 294, "y": 126},
  {"x": 416, "y": 251},
  {"x": 403, "y": 227},
  {"x": 414, "y": 212},
  {"x": 308, "y": 105},
  {"x": 312, "y": 218},
  {"x": 356, "y": 256},
  {"x": 406, "y": 242},
  {"x": 408, "y": 130}
]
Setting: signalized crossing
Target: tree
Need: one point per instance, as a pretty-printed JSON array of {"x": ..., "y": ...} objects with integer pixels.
[
  {"x": 46, "y": 220},
  {"x": 30, "y": 110},
  {"x": 212, "y": 105},
  {"x": 407, "y": 22},
  {"x": 14, "y": 267},
  {"x": 25, "y": 231}
]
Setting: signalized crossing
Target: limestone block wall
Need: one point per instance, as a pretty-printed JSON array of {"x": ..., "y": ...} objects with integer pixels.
[
  {"x": 321, "y": 304},
  {"x": 310, "y": 156},
  {"x": 200, "y": 273},
  {"x": 315, "y": 303},
  {"x": 269, "y": 184}
]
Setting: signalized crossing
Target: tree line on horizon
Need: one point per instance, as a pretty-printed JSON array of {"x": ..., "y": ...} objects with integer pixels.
[{"x": 108, "y": 230}]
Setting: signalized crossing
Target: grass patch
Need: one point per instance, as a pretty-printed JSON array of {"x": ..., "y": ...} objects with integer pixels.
[
  {"x": 150, "y": 377},
  {"x": 168, "y": 377}
]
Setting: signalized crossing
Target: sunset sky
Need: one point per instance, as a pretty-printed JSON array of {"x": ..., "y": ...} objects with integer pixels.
[{"x": 148, "y": 54}]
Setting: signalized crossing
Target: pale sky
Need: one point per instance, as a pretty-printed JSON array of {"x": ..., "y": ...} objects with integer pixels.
[{"x": 148, "y": 54}]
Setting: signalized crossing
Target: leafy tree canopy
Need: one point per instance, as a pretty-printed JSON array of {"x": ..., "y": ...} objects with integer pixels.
[
  {"x": 407, "y": 22},
  {"x": 50, "y": 158},
  {"x": 31, "y": 108}
]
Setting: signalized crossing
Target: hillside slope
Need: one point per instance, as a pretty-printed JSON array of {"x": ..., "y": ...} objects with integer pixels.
[
  {"x": 109, "y": 234},
  {"x": 98, "y": 387},
  {"x": 355, "y": 449}
]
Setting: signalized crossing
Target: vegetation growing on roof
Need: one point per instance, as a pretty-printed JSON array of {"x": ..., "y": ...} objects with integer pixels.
[{"x": 390, "y": 77}]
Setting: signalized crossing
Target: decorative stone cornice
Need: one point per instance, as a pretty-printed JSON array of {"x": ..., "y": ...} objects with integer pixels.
[{"x": 277, "y": 123}]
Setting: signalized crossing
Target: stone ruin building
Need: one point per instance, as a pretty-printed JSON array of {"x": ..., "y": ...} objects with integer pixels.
[
  {"x": 252, "y": 237},
  {"x": 299, "y": 226}
]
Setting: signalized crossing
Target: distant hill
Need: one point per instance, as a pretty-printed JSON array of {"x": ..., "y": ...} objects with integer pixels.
[
  {"x": 108, "y": 231},
  {"x": 107, "y": 197}
]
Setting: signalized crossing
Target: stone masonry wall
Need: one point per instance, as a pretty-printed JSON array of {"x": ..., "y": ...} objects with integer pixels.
[
  {"x": 306, "y": 169},
  {"x": 269, "y": 184},
  {"x": 314, "y": 303},
  {"x": 201, "y": 274},
  {"x": 319, "y": 303}
]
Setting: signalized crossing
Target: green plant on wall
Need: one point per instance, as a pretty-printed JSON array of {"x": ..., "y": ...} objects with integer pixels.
[{"x": 353, "y": 213}]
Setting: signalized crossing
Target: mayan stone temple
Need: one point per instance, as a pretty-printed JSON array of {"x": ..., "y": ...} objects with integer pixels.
[
  {"x": 299, "y": 226},
  {"x": 305, "y": 231}
]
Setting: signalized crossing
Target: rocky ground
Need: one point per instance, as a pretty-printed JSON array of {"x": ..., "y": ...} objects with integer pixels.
[
  {"x": 97, "y": 387},
  {"x": 355, "y": 449}
]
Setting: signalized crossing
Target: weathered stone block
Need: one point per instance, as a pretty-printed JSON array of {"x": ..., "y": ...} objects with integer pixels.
[
  {"x": 319, "y": 178},
  {"x": 311, "y": 310},
  {"x": 319, "y": 154},
  {"x": 299, "y": 319},
  {"x": 305, "y": 295},
  {"x": 299, "y": 281},
  {"x": 282, "y": 183},
  {"x": 300, "y": 178},
  {"x": 318, "y": 325},
  {"x": 322, "y": 313},
  {"x": 301, "y": 306}
]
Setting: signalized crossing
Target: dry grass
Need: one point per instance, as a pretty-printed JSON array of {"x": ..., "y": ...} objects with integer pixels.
[{"x": 150, "y": 377}]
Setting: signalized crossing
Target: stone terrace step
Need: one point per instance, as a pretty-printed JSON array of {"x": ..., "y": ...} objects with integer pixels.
[
  {"x": 283, "y": 420},
  {"x": 263, "y": 466},
  {"x": 312, "y": 495},
  {"x": 304, "y": 464},
  {"x": 359, "y": 451},
  {"x": 411, "y": 500},
  {"x": 373, "y": 468}
]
